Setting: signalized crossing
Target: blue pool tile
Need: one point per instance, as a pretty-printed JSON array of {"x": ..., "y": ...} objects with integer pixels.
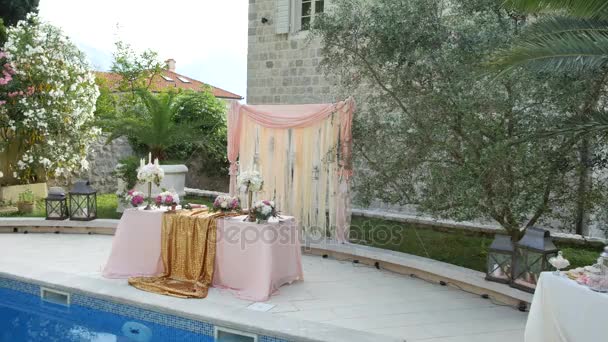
[{"x": 88, "y": 309}]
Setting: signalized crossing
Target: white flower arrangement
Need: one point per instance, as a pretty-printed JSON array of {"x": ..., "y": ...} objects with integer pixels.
[
  {"x": 55, "y": 101},
  {"x": 250, "y": 181},
  {"x": 150, "y": 173},
  {"x": 264, "y": 210}
]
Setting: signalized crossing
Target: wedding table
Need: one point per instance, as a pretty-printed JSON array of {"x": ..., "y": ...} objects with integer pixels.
[
  {"x": 254, "y": 260},
  {"x": 136, "y": 245},
  {"x": 564, "y": 311}
]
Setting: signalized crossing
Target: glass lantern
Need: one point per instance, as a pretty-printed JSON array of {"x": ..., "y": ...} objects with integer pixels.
[
  {"x": 83, "y": 202},
  {"x": 532, "y": 255},
  {"x": 56, "y": 204},
  {"x": 500, "y": 259}
]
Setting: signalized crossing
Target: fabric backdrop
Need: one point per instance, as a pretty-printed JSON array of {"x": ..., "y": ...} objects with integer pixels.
[{"x": 303, "y": 152}]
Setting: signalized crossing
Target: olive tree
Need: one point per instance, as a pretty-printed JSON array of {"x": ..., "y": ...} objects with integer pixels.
[{"x": 434, "y": 129}]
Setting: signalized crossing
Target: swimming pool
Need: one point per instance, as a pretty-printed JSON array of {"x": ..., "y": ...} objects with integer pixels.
[{"x": 24, "y": 316}]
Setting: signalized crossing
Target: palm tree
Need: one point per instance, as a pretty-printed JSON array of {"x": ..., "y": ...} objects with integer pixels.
[
  {"x": 153, "y": 123},
  {"x": 571, "y": 35}
]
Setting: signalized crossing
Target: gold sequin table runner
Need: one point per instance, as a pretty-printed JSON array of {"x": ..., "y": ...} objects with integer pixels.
[{"x": 188, "y": 248}]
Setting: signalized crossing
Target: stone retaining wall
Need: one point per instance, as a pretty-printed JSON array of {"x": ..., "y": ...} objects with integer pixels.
[{"x": 102, "y": 161}]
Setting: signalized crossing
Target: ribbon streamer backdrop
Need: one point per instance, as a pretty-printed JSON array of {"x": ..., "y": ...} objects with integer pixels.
[{"x": 303, "y": 152}]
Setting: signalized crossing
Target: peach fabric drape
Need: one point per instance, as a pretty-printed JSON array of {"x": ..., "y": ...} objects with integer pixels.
[{"x": 304, "y": 155}]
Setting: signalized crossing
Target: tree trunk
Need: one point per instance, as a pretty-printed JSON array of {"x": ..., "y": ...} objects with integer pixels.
[{"x": 583, "y": 188}]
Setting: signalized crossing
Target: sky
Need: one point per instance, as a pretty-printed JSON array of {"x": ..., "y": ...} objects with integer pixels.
[{"x": 208, "y": 39}]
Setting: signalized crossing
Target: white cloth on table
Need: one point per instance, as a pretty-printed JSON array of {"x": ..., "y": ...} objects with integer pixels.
[{"x": 564, "y": 311}]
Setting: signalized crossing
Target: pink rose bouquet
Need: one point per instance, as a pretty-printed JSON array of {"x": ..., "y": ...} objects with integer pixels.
[
  {"x": 226, "y": 203},
  {"x": 167, "y": 198},
  {"x": 134, "y": 197}
]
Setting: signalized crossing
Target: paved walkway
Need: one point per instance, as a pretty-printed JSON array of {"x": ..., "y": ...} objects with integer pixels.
[{"x": 338, "y": 293}]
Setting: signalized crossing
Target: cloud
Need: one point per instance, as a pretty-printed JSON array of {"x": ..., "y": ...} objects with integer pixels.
[{"x": 208, "y": 39}]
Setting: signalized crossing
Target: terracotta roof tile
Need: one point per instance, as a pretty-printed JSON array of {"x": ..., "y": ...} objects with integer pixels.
[{"x": 170, "y": 80}]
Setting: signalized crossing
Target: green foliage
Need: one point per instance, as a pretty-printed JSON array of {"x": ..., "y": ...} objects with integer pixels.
[
  {"x": 434, "y": 130},
  {"x": 152, "y": 124},
  {"x": 3, "y": 34},
  {"x": 26, "y": 196},
  {"x": 570, "y": 35},
  {"x": 189, "y": 124},
  {"x": 137, "y": 70},
  {"x": 576, "y": 8},
  {"x": 127, "y": 171},
  {"x": 11, "y": 11},
  {"x": 210, "y": 114},
  {"x": 457, "y": 247}
]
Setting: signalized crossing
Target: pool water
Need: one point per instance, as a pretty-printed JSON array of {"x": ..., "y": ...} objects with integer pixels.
[{"x": 25, "y": 317}]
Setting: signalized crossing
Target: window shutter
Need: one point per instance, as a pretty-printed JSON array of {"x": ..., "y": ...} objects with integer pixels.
[{"x": 281, "y": 22}]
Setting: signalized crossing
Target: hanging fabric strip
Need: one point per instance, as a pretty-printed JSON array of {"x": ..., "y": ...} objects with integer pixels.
[{"x": 303, "y": 152}]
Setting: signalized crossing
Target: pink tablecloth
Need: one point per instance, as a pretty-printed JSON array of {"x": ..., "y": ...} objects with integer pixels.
[
  {"x": 254, "y": 260},
  {"x": 136, "y": 245}
]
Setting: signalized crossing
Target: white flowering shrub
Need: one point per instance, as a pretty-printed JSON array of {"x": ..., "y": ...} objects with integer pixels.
[{"x": 48, "y": 108}]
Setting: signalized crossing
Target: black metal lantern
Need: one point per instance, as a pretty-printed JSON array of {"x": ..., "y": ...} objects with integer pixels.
[
  {"x": 532, "y": 255},
  {"x": 83, "y": 202},
  {"x": 56, "y": 204},
  {"x": 500, "y": 259}
]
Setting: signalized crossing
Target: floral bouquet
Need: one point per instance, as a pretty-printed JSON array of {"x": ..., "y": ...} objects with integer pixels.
[
  {"x": 134, "y": 197},
  {"x": 167, "y": 198},
  {"x": 226, "y": 203},
  {"x": 264, "y": 210},
  {"x": 250, "y": 181},
  {"x": 150, "y": 173}
]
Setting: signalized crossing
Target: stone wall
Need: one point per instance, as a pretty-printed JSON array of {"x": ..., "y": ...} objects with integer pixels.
[
  {"x": 282, "y": 68},
  {"x": 102, "y": 161}
]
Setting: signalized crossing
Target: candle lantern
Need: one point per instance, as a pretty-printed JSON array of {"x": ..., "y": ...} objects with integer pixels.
[
  {"x": 83, "y": 202},
  {"x": 56, "y": 204},
  {"x": 532, "y": 255},
  {"x": 500, "y": 259}
]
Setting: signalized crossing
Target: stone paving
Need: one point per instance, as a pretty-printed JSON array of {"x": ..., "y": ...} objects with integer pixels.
[{"x": 336, "y": 293}]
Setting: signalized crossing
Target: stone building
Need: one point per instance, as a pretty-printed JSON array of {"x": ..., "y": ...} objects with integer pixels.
[{"x": 282, "y": 61}]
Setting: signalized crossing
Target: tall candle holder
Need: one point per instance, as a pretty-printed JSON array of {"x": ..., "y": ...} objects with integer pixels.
[
  {"x": 149, "y": 173},
  {"x": 149, "y": 206},
  {"x": 251, "y": 214}
]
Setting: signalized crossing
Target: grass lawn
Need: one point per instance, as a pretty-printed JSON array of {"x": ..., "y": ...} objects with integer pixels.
[
  {"x": 106, "y": 206},
  {"x": 458, "y": 247}
]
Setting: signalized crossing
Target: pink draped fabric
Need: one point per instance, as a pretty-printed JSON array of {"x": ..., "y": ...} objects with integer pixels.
[
  {"x": 136, "y": 245},
  {"x": 254, "y": 260},
  {"x": 298, "y": 116}
]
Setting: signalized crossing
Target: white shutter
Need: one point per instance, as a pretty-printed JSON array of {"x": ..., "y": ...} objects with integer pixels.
[{"x": 281, "y": 21}]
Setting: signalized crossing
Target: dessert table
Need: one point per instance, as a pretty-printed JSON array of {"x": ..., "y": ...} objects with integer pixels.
[
  {"x": 254, "y": 260},
  {"x": 564, "y": 311},
  {"x": 136, "y": 245}
]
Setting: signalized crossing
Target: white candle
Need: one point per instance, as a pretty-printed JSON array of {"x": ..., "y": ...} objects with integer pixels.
[
  {"x": 149, "y": 157},
  {"x": 141, "y": 162}
]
